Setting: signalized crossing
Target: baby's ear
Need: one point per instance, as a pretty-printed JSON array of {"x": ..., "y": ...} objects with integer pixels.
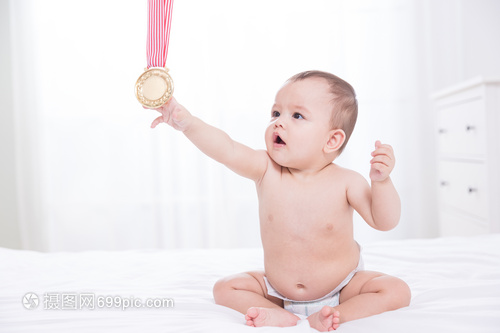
[{"x": 336, "y": 139}]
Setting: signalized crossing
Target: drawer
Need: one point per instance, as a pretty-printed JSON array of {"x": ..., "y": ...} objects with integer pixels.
[
  {"x": 462, "y": 128},
  {"x": 463, "y": 185},
  {"x": 452, "y": 223}
]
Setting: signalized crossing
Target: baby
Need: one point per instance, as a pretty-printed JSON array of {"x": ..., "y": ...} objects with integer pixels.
[{"x": 312, "y": 265}]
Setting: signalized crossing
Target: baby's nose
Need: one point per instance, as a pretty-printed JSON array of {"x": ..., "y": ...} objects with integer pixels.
[{"x": 278, "y": 123}]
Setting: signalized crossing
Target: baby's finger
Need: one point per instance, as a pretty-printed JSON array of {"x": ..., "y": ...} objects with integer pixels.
[
  {"x": 386, "y": 147},
  {"x": 167, "y": 105},
  {"x": 380, "y": 168},
  {"x": 381, "y": 159},
  {"x": 384, "y": 150},
  {"x": 157, "y": 121}
]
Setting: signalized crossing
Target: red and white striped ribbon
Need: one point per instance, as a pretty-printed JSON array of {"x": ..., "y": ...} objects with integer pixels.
[{"x": 159, "y": 19}]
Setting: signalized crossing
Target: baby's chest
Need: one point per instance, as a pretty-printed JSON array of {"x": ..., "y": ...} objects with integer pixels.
[{"x": 295, "y": 203}]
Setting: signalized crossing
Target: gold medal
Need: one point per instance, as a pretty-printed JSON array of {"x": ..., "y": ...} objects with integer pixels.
[{"x": 154, "y": 87}]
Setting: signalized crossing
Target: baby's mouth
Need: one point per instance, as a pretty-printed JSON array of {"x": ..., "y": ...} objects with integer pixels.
[{"x": 278, "y": 140}]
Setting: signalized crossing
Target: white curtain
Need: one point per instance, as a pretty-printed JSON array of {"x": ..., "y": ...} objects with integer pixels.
[{"x": 93, "y": 175}]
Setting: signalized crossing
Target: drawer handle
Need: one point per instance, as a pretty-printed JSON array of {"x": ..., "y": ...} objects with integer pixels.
[
  {"x": 472, "y": 190},
  {"x": 469, "y": 128}
]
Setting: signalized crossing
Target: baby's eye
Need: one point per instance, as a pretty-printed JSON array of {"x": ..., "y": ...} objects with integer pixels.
[
  {"x": 297, "y": 116},
  {"x": 275, "y": 114}
]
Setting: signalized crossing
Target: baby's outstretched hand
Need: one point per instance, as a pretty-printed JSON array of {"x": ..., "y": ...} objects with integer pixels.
[
  {"x": 382, "y": 162},
  {"x": 174, "y": 114}
]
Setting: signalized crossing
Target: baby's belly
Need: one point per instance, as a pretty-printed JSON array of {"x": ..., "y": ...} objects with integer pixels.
[{"x": 302, "y": 277}]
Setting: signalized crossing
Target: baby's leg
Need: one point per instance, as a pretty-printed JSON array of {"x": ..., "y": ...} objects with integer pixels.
[
  {"x": 247, "y": 293},
  {"x": 370, "y": 293}
]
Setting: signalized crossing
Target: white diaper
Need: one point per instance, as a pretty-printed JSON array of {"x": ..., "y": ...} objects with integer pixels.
[{"x": 306, "y": 308}]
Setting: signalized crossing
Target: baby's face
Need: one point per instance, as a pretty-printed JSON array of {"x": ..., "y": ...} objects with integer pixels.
[{"x": 300, "y": 123}]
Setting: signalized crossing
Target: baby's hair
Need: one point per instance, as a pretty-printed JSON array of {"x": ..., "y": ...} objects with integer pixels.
[{"x": 345, "y": 105}]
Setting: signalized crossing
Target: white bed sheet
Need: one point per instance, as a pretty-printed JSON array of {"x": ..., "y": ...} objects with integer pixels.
[{"x": 455, "y": 286}]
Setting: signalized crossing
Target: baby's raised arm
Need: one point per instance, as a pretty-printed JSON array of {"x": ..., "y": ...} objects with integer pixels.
[
  {"x": 379, "y": 205},
  {"x": 215, "y": 143}
]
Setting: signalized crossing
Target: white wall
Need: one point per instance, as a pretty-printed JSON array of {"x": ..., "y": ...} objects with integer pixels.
[
  {"x": 463, "y": 41},
  {"x": 9, "y": 223}
]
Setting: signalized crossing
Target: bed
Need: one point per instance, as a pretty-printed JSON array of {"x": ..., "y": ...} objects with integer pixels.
[{"x": 455, "y": 284}]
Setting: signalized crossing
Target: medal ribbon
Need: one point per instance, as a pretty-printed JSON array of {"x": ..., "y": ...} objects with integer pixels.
[{"x": 159, "y": 19}]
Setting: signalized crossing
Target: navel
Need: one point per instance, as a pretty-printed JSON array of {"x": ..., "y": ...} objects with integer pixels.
[{"x": 300, "y": 286}]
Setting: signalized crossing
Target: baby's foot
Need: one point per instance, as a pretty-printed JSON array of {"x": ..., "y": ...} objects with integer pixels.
[
  {"x": 258, "y": 317},
  {"x": 328, "y": 319}
]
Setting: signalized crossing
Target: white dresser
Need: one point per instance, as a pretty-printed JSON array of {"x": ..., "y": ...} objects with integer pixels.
[{"x": 468, "y": 154}]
